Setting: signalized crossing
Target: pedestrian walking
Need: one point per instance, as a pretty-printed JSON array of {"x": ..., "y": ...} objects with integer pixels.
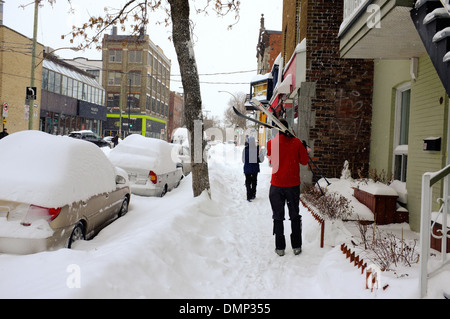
[
  {"x": 251, "y": 157},
  {"x": 115, "y": 140},
  {"x": 4, "y": 133},
  {"x": 286, "y": 153}
]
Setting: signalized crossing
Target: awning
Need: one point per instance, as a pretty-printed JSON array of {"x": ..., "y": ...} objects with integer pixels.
[
  {"x": 279, "y": 102},
  {"x": 286, "y": 86}
]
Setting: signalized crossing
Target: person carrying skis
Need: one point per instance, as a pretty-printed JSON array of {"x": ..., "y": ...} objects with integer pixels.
[
  {"x": 286, "y": 153},
  {"x": 251, "y": 157}
]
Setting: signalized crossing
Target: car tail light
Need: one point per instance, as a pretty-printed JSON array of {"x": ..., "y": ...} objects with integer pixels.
[
  {"x": 153, "y": 177},
  {"x": 38, "y": 212}
]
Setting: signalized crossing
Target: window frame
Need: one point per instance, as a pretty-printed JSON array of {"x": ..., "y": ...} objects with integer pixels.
[{"x": 400, "y": 151}]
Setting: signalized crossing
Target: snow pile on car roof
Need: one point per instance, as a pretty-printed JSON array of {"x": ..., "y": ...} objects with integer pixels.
[
  {"x": 137, "y": 151},
  {"x": 52, "y": 171}
]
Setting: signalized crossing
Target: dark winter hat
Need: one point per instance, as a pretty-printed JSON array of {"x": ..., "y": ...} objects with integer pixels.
[{"x": 285, "y": 123}]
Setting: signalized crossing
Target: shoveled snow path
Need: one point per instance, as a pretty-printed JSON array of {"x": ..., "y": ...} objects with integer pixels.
[{"x": 184, "y": 247}]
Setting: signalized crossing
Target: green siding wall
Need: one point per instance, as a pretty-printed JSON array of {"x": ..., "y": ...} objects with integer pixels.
[
  {"x": 429, "y": 107},
  {"x": 428, "y": 117},
  {"x": 388, "y": 74}
]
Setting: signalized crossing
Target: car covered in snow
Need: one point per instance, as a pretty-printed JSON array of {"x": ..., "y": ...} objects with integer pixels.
[
  {"x": 152, "y": 165},
  {"x": 180, "y": 138},
  {"x": 55, "y": 190},
  {"x": 89, "y": 136}
]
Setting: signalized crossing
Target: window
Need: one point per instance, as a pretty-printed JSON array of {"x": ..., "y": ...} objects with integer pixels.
[
  {"x": 75, "y": 89},
  {"x": 65, "y": 80},
  {"x": 51, "y": 81},
  {"x": 113, "y": 100},
  {"x": 401, "y": 133},
  {"x": 134, "y": 56},
  {"x": 58, "y": 77},
  {"x": 148, "y": 103},
  {"x": 69, "y": 87},
  {"x": 115, "y": 56},
  {"x": 45, "y": 79},
  {"x": 149, "y": 81},
  {"x": 114, "y": 78},
  {"x": 134, "y": 100},
  {"x": 135, "y": 78}
]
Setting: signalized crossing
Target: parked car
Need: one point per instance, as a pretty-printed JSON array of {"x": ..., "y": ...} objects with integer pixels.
[
  {"x": 152, "y": 166},
  {"x": 90, "y": 136},
  {"x": 180, "y": 138},
  {"x": 55, "y": 190}
]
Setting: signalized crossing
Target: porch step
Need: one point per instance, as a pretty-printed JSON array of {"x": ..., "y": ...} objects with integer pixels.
[{"x": 432, "y": 22}]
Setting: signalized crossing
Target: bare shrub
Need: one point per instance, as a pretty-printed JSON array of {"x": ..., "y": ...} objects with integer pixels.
[
  {"x": 330, "y": 205},
  {"x": 385, "y": 249}
]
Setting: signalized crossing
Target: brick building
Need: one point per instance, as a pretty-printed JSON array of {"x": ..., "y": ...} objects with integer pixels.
[
  {"x": 268, "y": 48},
  {"x": 331, "y": 96},
  {"x": 176, "y": 113}
]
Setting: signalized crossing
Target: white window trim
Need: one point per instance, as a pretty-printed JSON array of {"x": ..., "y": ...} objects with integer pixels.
[{"x": 398, "y": 148}]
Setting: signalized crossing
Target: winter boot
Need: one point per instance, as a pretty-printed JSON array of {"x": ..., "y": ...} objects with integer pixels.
[
  {"x": 296, "y": 235},
  {"x": 280, "y": 252}
]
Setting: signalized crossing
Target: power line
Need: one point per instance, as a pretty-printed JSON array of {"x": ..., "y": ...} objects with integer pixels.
[
  {"x": 221, "y": 73},
  {"x": 220, "y": 83}
]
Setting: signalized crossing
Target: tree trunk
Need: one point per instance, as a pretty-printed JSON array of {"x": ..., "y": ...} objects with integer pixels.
[{"x": 181, "y": 37}]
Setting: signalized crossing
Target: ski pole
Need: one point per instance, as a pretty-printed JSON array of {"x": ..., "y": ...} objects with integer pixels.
[
  {"x": 315, "y": 177},
  {"x": 314, "y": 163},
  {"x": 320, "y": 172}
]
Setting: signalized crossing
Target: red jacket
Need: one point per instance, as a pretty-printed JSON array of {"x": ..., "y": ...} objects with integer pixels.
[{"x": 286, "y": 154}]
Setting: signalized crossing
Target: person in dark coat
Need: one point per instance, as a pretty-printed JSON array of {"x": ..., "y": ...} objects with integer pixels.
[
  {"x": 115, "y": 140},
  {"x": 286, "y": 153},
  {"x": 251, "y": 157},
  {"x": 4, "y": 133}
]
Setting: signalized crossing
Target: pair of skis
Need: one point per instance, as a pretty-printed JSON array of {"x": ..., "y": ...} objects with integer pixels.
[
  {"x": 278, "y": 125},
  {"x": 282, "y": 128}
]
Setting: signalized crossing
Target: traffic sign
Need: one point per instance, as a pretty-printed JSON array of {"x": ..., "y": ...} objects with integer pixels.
[
  {"x": 31, "y": 93},
  {"x": 5, "y": 109},
  {"x": 4, "y": 121}
]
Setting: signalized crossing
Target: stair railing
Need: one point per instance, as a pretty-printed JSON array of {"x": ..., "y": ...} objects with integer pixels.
[{"x": 426, "y": 225}]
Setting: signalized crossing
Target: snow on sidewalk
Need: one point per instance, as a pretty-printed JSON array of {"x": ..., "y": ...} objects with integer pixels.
[{"x": 184, "y": 247}]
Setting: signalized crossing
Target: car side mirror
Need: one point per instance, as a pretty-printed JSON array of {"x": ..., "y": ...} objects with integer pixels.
[{"x": 120, "y": 180}]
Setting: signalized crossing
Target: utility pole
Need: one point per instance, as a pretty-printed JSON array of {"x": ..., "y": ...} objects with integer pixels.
[
  {"x": 33, "y": 63},
  {"x": 129, "y": 103}
]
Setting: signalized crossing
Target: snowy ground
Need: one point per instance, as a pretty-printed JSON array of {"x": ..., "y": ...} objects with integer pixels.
[{"x": 180, "y": 247}]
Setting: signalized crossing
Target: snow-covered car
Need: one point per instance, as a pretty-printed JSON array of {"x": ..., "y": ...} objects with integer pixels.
[
  {"x": 152, "y": 165},
  {"x": 88, "y": 135},
  {"x": 55, "y": 190},
  {"x": 180, "y": 138}
]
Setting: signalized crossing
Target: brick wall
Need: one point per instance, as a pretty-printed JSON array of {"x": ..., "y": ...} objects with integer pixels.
[{"x": 343, "y": 97}]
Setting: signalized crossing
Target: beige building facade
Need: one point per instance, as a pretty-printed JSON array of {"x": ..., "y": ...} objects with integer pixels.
[
  {"x": 15, "y": 77},
  {"x": 136, "y": 77}
]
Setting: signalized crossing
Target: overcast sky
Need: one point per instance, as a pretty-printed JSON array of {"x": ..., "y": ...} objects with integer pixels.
[{"x": 217, "y": 49}]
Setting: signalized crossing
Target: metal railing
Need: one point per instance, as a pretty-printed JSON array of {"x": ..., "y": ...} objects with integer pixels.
[{"x": 428, "y": 180}]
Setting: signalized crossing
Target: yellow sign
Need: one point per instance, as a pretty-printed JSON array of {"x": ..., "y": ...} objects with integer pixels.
[{"x": 4, "y": 121}]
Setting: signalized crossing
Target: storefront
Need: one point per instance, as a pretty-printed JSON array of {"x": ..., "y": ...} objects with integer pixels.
[
  {"x": 141, "y": 124},
  {"x": 62, "y": 114}
]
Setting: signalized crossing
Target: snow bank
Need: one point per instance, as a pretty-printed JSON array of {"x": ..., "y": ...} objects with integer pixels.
[
  {"x": 377, "y": 189},
  {"x": 345, "y": 187},
  {"x": 184, "y": 247},
  {"x": 52, "y": 171}
]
